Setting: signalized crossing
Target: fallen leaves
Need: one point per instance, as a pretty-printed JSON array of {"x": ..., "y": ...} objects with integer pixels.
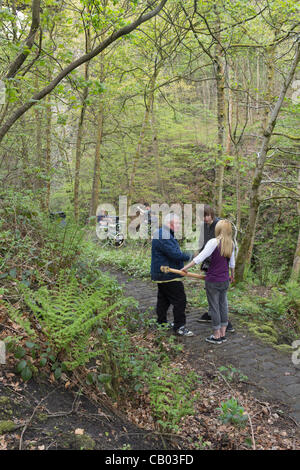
[
  {"x": 79, "y": 432},
  {"x": 259, "y": 432}
]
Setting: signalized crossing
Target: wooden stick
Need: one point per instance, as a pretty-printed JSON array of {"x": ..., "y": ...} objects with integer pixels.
[{"x": 166, "y": 269}]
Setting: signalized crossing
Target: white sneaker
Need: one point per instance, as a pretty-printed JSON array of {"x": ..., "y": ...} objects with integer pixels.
[{"x": 183, "y": 331}]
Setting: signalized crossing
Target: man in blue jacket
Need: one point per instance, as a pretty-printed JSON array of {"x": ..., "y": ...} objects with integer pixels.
[{"x": 166, "y": 252}]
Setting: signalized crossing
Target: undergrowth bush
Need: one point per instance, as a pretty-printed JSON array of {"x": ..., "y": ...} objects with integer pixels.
[
  {"x": 71, "y": 318},
  {"x": 68, "y": 314},
  {"x": 133, "y": 260},
  {"x": 171, "y": 396},
  {"x": 91, "y": 326},
  {"x": 33, "y": 248}
]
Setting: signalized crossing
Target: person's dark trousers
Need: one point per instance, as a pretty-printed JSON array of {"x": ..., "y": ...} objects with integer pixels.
[{"x": 171, "y": 293}]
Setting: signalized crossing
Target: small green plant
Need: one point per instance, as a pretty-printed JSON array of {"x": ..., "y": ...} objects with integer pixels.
[
  {"x": 126, "y": 447},
  {"x": 233, "y": 413},
  {"x": 171, "y": 396},
  {"x": 202, "y": 445},
  {"x": 232, "y": 374}
]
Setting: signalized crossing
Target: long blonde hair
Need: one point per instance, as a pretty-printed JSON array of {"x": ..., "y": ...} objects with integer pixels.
[{"x": 223, "y": 232}]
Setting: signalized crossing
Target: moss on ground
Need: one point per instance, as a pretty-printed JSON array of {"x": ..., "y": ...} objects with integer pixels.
[
  {"x": 6, "y": 426},
  {"x": 285, "y": 348}
]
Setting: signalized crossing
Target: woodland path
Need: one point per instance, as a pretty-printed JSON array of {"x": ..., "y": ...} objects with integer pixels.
[{"x": 271, "y": 374}]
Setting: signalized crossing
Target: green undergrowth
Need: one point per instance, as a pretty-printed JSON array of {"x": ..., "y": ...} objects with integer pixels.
[
  {"x": 269, "y": 312},
  {"x": 91, "y": 328},
  {"x": 72, "y": 322},
  {"x": 132, "y": 259}
]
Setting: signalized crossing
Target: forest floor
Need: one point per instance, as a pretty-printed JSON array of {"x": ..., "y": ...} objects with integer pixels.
[{"x": 41, "y": 414}]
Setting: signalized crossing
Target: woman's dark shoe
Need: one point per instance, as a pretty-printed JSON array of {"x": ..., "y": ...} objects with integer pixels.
[
  {"x": 205, "y": 318},
  {"x": 230, "y": 328}
]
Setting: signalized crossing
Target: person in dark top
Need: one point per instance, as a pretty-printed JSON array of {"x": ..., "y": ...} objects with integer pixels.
[
  {"x": 166, "y": 252},
  {"x": 210, "y": 222}
]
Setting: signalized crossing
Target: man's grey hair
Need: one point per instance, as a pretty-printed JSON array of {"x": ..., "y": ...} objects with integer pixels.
[{"x": 170, "y": 218}]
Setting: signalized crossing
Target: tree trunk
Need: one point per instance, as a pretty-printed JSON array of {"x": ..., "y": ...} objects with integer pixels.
[
  {"x": 257, "y": 83},
  {"x": 29, "y": 41},
  {"x": 155, "y": 149},
  {"x": 38, "y": 140},
  {"x": 230, "y": 112},
  {"x": 80, "y": 132},
  {"x": 220, "y": 80},
  {"x": 260, "y": 163},
  {"x": 238, "y": 188},
  {"x": 96, "y": 176},
  {"x": 268, "y": 98},
  {"x": 48, "y": 152},
  {"x": 296, "y": 264},
  {"x": 149, "y": 104}
]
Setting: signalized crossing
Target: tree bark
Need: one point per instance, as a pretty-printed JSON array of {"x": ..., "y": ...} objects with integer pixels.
[
  {"x": 80, "y": 130},
  {"x": 258, "y": 174},
  {"x": 220, "y": 80},
  {"x": 296, "y": 263},
  {"x": 35, "y": 24},
  {"x": 268, "y": 99},
  {"x": 38, "y": 139},
  {"x": 78, "y": 153},
  {"x": 48, "y": 152},
  {"x": 155, "y": 149},
  {"x": 97, "y": 164},
  {"x": 149, "y": 105}
]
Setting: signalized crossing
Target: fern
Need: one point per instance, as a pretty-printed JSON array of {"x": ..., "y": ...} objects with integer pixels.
[{"x": 68, "y": 315}]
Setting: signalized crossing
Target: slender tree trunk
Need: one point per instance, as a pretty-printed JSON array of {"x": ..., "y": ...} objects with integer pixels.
[
  {"x": 29, "y": 41},
  {"x": 249, "y": 107},
  {"x": 80, "y": 132},
  {"x": 230, "y": 113},
  {"x": 137, "y": 156},
  {"x": 38, "y": 141},
  {"x": 258, "y": 174},
  {"x": 238, "y": 188},
  {"x": 220, "y": 80},
  {"x": 97, "y": 163},
  {"x": 296, "y": 264},
  {"x": 268, "y": 98},
  {"x": 48, "y": 151},
  {"x": 155, "y": 149},
  {"x": 257, "y": 83},
  {"x": 25, "y": 157}
]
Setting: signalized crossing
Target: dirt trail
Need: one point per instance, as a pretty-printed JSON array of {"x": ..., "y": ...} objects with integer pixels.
[
  {"x": 50, "y": 417},
  {"x": 271, "y": 372}
]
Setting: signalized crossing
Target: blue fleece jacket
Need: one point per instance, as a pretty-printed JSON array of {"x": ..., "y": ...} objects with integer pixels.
[{"x": 166, "y": 252}]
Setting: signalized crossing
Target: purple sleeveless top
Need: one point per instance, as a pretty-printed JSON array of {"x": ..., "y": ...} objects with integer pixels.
[{"x": 218, "y": 270}]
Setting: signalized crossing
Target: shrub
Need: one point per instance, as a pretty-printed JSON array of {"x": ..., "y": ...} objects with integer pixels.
[
  {"x": 171, "y": 396},
  {"x": 233, "y": 413}
]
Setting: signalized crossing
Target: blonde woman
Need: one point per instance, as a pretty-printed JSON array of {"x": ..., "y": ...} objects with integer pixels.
[{"x": 221, "y": 250}]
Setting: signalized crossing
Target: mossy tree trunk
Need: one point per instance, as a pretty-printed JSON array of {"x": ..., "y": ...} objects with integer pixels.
[
  {"x": 80, "y": 129},
  {"x": 220, "y": 81},
  {"x": 48, "y": 151},
  {"x": 97, "y": 163},
  {"x": 296, "y": 264},
  {"x": 149, "y": 105},
  {"x": 243, "y": 255}
]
